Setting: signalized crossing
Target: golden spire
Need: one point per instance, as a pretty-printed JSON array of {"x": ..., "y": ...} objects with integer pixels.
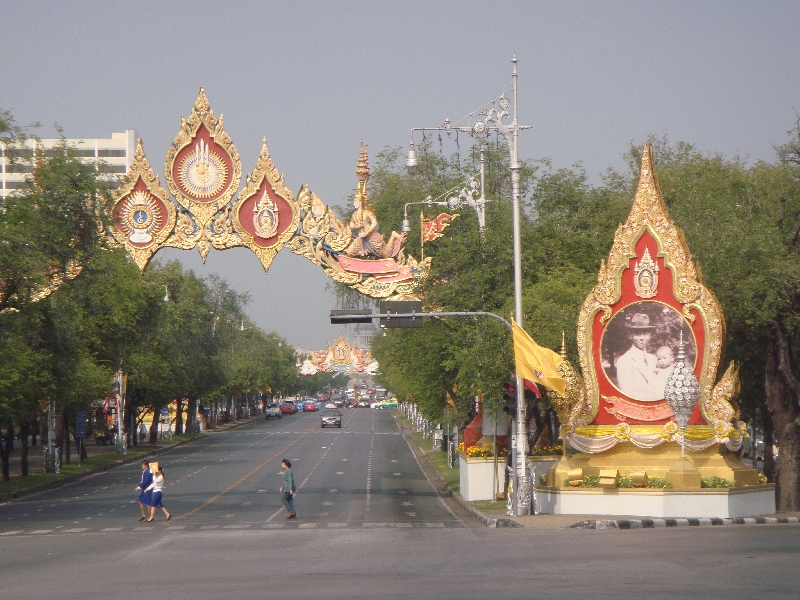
[
  {"x": 362, "y": 172},
  {"x": 563, "y": 351}
]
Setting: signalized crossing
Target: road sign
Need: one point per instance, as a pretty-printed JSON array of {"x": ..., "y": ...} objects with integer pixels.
[
  {"x": 401, "y": 307},
  {"x": 165, "y": 414},
  {"x": 80, "y": 424}
]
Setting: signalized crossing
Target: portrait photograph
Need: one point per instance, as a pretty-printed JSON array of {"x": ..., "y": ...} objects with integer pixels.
[{"x": 639, "y": 349}]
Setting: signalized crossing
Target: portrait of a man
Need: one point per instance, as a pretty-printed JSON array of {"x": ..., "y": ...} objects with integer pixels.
[{"x": 639, "y": 348}]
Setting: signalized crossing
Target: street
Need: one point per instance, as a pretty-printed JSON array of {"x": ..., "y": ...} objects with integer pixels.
[{"x": 370, "y": 524}]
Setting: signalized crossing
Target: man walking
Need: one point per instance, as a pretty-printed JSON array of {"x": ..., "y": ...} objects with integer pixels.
[{"x": 288, "y": 488}]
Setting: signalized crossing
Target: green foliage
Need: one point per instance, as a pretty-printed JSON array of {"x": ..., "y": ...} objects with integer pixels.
[
  {"x": 658, "y": 482},
  {"x": 625, "y": 482},
  {"x": 715, "y": 482},
  {"x": 591, "y": 481}
]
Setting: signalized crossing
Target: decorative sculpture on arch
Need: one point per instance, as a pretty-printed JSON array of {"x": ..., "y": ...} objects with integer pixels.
[{"x": 203, "y": 171}]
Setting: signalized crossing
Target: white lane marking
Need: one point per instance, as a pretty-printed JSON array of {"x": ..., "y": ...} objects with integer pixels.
[
  {"x": 396, "y": 474},
  {"x": 335, "y": 525},
  {"x": 307, "y": 525},
  {"x": 11, "y": 532},
  {"x": 110, "y": 529},
  {"x": 394, "y": 460},
  {"x": 333, "y": 490},
  {"x": 369, "y": 472},
  {"x": 403, "y": 525},
  {"x": 75, "y": 530},
  {"x": 411, "y": 514},
  {"x": 340, "y": 472},
  {"x": 407, "y": 503},
  {"x": 328, "y": 503},
  {"x": 40, "y": 531},
  {"x": 275, "y": 514},
  {"x": 238, "y": 526}
]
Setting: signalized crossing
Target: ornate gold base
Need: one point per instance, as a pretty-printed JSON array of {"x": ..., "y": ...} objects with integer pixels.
[{"x": 663, "y": 461}]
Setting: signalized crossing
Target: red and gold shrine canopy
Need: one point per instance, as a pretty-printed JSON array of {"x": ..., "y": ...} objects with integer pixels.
[
  {"x": 202, "y": 207},
  {"x": 649, "y": 299}
]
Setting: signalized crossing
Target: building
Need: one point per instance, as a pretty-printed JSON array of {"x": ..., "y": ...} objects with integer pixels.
[
  {"x": 116, "y": 153},
  {"x": 362, "y": 335}
]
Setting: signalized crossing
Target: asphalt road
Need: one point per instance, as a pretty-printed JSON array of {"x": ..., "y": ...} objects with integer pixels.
[{"x": 370, "y": 525}]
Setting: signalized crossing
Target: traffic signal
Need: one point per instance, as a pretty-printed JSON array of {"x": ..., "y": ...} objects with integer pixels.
[
  {"x": 510, "y": 397},
  {"x": 341, "y": 317}
]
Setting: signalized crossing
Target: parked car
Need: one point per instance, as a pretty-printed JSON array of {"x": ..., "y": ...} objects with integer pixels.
[
  {"x": 272, "y": 411},
  {"x": 331, "y": 418}
]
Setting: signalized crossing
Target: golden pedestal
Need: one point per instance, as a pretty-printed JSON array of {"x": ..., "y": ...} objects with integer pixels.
[{"x": 663, "y": 461}]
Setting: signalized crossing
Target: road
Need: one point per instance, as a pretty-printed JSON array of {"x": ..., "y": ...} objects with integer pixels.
[{"x": 370, "y": 525}]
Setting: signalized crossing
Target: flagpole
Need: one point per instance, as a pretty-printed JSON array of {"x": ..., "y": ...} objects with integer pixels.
[{"x": 422, "y": 235}]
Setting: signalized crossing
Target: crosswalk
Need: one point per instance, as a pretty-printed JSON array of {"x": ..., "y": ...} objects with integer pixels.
[{"x": 163, "y": 527}]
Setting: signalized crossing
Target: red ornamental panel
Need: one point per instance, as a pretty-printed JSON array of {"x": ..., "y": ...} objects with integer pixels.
[
  {"x": 636, "y": 348},
  {"x": 202, "y": 167},
  {"x": 143, "y": 216},
  {"x": 265, "y": 215}
]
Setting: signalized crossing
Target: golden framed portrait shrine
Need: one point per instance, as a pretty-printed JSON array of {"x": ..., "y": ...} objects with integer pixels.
[{"x": 650, "y": 343}]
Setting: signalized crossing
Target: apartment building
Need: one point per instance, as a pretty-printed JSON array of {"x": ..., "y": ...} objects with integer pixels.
[{"x": 116, "y": 153}]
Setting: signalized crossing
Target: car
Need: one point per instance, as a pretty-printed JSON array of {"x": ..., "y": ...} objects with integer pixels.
[
  {"x": 331, "y": 418},
  {"x": 386, "y": 405},
  {"x": 309, "y": 406},
  {"x": 272, "y": 411},
  {"x": 288, "y": 407},
  {"x": 363, "y": 403},
  {"x": 330, "y": 405}
]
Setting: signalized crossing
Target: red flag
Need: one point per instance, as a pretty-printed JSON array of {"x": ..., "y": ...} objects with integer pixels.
[{"x": 433, "y": 229}]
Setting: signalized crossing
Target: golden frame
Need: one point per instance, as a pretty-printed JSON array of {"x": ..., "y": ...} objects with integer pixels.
[{"x": 649, "y": 213}]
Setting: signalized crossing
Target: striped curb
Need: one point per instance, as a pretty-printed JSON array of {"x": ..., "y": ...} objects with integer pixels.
[{"x": 657, "y": 523}]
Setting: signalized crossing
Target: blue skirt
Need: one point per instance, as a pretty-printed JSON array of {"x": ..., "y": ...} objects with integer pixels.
[
  {"x": 145, "y": 498},
  {"x": 155, "y": 501}
]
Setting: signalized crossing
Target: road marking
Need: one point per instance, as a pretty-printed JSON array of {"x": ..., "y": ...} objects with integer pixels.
[
  {"x": 336, "y": 525},
  {"x": 328, "y": 503},
  {"x": 307, "y": 525},
  {"x": 369, "y": 471},
  {"x": 340, "y": 472},
  {"x": 40, "y": 531},
  {"x": 75, "y": 530},
  {"x": 411, "y": 514},
  {"x": 12, "y": 532},
  {"x": 239, "y": 526},
  {"x": 243, "y": 479},
  {"x": 110, "y": 529},
  {"x": 396, "y": 474},
  {"x": 333, "y": 490}
]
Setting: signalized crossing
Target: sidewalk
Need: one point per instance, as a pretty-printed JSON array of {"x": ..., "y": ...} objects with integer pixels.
[{"x": 498, "y": 518}]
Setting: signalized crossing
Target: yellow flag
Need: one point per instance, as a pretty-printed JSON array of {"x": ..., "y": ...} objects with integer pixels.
[{"x": 538, "y": 364}]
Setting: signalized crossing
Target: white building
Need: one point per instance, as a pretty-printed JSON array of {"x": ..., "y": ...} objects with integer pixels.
[
  {"x": 115, "y": 152},
  {"x": 362, "y": 335}
]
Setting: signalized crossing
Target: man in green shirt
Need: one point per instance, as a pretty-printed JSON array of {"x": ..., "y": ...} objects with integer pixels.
[{"x": 287, "y": 488}]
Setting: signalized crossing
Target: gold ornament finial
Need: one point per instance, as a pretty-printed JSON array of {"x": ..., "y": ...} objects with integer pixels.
[
  {"x": 362, "y": 172},
  {"x": 563, "y": 351}
]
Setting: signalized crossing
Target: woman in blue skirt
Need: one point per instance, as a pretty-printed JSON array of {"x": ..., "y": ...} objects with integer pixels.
[
  {"x": 157, "y": 488},
  {"x": 143, "y": 487}
]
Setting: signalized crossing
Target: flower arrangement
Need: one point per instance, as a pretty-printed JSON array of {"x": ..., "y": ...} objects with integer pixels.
[
  {"x": 625, "y": 482},
  {"x": 478, "y": 452},
  {"x": 762, "y": 479},
  {"x": 460, "y": 447},
  {"x": 546, "y": 451},
  {"x": 715, "y": 482},
  {"x": 591, "y": 481},
  {"x": 658, "y": 482},
  {"x": 543, "y": 479}
]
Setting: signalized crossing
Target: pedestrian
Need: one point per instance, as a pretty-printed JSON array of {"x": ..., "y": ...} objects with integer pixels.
[
  {"x": 288, "y": 488},
  {"x": 157, "y": 488},
  {"x": 142, "y": 432},
  {"x": 144, "y": 485}
]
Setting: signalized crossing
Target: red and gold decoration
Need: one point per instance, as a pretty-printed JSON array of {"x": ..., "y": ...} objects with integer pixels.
[
  {"x": 143, "y": 215},
  {"x": 341, "y": 357},
  {"x": 649, "y": 295},
  {"x": 203, "y": 172},
  {"x": 265, "y": 214},
  {"x": 203, "y": 169}
]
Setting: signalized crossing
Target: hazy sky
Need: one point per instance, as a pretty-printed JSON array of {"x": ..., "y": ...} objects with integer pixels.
[{"x": 315, "y": 78}]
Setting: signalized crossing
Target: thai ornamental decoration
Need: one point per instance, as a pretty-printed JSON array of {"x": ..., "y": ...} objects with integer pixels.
[
  {"x": 647, "y": 326},
  {"x": 202, "y": 209}
]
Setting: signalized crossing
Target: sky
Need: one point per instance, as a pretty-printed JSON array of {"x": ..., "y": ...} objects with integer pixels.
[{"x": 316, "y": 78}]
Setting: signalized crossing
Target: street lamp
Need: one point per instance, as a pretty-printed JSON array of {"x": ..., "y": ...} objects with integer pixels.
[
  {"x": 500, "y": 116},
  {"x": 166, "y": 293}
]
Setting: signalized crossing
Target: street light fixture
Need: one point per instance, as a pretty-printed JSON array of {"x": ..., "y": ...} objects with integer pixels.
[
  {"x": 500, "y": 116},
  {"x": 166, "y": 293}
]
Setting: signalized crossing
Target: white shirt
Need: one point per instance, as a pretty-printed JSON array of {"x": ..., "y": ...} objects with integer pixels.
[
  {"x": 158, "y": 483},
  {"x": 636, "y": 375}
]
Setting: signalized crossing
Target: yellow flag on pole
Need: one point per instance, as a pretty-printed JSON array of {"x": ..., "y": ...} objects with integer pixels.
[{"x": 536, "y": 363}]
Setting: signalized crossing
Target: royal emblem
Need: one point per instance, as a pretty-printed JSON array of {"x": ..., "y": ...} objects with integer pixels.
[
  {"x": 203, "y": 173},
  {"x": 645, "y": 276},
  {"x": 266, "y": 217},
  {"x": 140, "y": 214}
]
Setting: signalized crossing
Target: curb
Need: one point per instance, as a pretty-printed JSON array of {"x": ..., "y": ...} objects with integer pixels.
[
  {"x": 117, "y": 463},
  {"x": 473, "y": 512},
  {"x": 658, "y": 523}
]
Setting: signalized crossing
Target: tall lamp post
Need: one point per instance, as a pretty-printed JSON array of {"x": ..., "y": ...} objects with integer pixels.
[{"x": 500, "y": 116}]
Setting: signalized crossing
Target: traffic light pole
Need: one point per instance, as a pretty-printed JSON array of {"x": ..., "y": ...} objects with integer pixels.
[{"x": 343, "y": 317}]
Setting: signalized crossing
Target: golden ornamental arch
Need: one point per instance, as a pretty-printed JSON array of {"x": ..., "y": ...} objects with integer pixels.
[{"x": 202, "y": 208}]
